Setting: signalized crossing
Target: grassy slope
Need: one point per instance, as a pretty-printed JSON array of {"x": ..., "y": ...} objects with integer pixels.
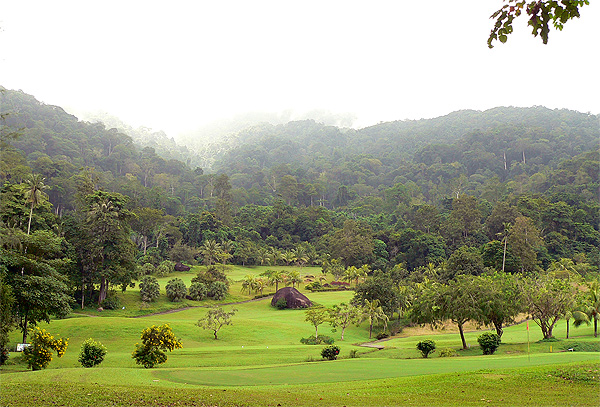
[{"x": 262, "y": 350}]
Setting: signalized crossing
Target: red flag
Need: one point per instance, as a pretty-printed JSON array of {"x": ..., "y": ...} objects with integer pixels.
[{"x": 528, "y": 325}]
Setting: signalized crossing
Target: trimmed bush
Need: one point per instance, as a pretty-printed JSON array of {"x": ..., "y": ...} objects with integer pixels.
[
  {"x": 320, "y": 340},
  {"x": 198, "y": 291},
  {"x": 426, "y": 347},
  {"x": 92, "y": 353},
  {"x": 149, "y": 289},
  {"x": 488, "y": 342},
  {"x": 330, "y": 352},
  {"x": 447, "y": 353},
  {"x": 218, "y": 290},
  {"x": 176, "y": 289}
]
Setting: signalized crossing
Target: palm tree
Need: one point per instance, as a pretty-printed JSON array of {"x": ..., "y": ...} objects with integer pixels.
[
  {"x": 276, "y": 277},
  {"x": 35, "y": 183},
  {"x": 259, "y": 285},
  {"x": 592, "y": 310},
  {"x": 288, "y": 257},
  {"x": 294, "y": 278},
  {"x": 506, "y": 226},
  {"x": 248, "y": 283},
  {"x": 373, "y": 312},
  {"x": 210, "y": 251}
]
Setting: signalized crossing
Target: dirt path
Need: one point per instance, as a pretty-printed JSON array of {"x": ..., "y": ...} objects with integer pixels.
[
  {"x": 171, "y": 311},
  {"x": 374, "y": 344}
]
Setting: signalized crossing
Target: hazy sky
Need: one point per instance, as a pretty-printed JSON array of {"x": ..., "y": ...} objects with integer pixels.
[{"x": 178, "y": 64}]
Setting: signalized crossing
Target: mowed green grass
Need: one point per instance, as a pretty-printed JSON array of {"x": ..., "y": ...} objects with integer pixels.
[{"x": 259, "y": 360}]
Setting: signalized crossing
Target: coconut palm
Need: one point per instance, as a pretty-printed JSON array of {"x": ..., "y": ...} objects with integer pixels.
[
  {"x": 34, "y": 193},
  {"x": 592, "y": 308},
  {"x": 373, "y": 312},
  {"x": 294, "y": 278}
]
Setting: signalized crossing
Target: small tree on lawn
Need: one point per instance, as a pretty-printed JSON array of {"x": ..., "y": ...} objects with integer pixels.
[
  {"x": 316, "y": 316},
  {"x": 426, "y": 347},
  {"x": 39, "y": 354},
  {"x": 156, "y": 340},
  {"x": 215, "y": 319},
  {"x": 343, "y": 315}
]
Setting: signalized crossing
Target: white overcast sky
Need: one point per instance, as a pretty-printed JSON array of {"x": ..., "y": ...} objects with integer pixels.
[{"x": 175, "y": 65}]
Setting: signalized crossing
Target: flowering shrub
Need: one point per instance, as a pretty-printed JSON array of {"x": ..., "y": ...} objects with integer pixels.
[
  {"x": 39, "y": 354},
  {"x": 92, "y": 353},
  {"x": 155, "y": 341},
  {"x": 330, "y": 352}
]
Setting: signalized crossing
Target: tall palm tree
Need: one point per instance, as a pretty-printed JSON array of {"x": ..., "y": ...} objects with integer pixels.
[
  {"x": 34, "y": 193},
  {"x": 276, "y": 277},
  {"x": 373, "y": 312},
  {"x": 592, "y": 311},
  {"x": 294, "y": 278}
]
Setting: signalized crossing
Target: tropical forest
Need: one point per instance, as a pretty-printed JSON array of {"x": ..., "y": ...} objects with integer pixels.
[{"x": 444, "y": 261}]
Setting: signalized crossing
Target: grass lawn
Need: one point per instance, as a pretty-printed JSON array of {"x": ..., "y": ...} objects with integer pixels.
[{"x": 259, "y": 360}]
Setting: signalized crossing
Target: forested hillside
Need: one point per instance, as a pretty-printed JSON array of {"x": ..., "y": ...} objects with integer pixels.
[{"x": 511, "y": 189}]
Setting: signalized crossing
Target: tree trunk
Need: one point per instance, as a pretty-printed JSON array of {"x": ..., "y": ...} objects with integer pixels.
[
  {"x": 504, "y": 254},
  {"x": 103, "y": 290},
  {"x": 462, "y": 335},
  {"x": 316, "y": 331},
  {"x": 595, "y": 327},
  {"x": 145, "y": 244},
  {"x": 567, "y": 329},
  {"x": 30, "y": 216},
  {"x": 343, "y": 329},
  {"x": 82, "y": 293},
  {"x": 215, "y": 334},
  {"x": 499, "y": 330},
  {"x": 25, "y": 321},
  {"x": 370, "y": 329}
]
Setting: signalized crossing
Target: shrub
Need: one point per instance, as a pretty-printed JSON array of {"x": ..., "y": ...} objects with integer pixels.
[
  {"x": 218, "y": 290},
  {"x": 176, "y": 289},
  {"x": 382, "y": 335},
  {"x": 447, "y": 353},
  {"x": 147, "y": 269},
  {"x": 198, "y": 291},
  {"x": 320, "y": 340},
  {"x": 39, "y": 354},
  {"x": 149, "y": 289},
  {"x": 489, "y": 342},
  {"x": 426, "y": 347},
  {"x": 92, "y": 353},
  {"x": 330, "y": 352},
  {"x": 281, "y": 303},
  {"x": 315, "y": 285},
  {"x": 353, "y": 353},
  {"x": 111, "y": 302},
  {"x": 165, "y": 268},
  {"x": 155, "y": 341}
]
